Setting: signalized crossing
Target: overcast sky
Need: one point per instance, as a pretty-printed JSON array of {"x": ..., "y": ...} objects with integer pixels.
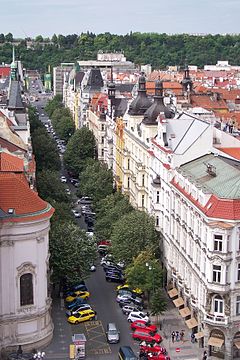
[{"x": 29, "y": 18}]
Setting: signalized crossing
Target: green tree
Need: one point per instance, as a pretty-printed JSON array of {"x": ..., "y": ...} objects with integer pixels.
[
  {"x": 145, "y": 272},
  {"x": 45, "y": 151},
  {"x": 9, "y": 37},
  {"x": 50, "y": 187},
  {"x": 132, "y": 233},
  {"x": 109, "y": 210},
  {"x": 96, "y": 180},
  {"x": 52, "y": 105},
  {"x": 80, "y": 148},
  {"x": 72, "y": 252},
  {"x": 39, "y": 38},
  {"x": 2, "y": 38},
  {"x": 158, "y": 304}
]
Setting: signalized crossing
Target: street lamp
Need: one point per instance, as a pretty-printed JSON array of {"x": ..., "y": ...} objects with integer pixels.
[{"x": 150, "y": 268}]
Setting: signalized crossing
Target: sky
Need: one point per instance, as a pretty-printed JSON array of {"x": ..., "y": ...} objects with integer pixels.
[{"x": 29, "y": 18}]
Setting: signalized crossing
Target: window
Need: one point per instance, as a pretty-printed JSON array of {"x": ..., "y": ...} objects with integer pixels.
[
  {"x": 157, "y": 220},
  {"x": 103, "y": 128},
  {"x": 102, "y": 152},
  {"x": 142, "y": 200},
  {"x": 218, "y": 243},
  {"x": 102, "y": 139},
  {"x": 128, "y": 182},
  {"x": 217, "y": 273},
  {"x": 238, "y": 272},
  {"x": 143, "y": 179},
  {"x": 158, "y": 197},
  {"x": 128, "y": 164},
  {"x": 26, "y": 289},
  {"x": 218, "y": 304},
  {"x": 238, "y": 305}
]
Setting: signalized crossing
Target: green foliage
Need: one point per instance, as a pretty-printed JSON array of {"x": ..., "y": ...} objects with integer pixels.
[
  {"x": 159, "y": 50},
  {"x": 45, "y": 151},
  {"x": 158, "y": 303},
  {"x": 54, "y": 104},
  {"x": 96, "y": 180},
  {"x": 50, "y": 187},
  {"x": 35, "y": 123},
  {"x": 131, "y": 234},
  {"x": 146, "y": 277},
  {"x": 62, "y": 212},
  {"x": 109, "y": 210},
  {"x": 80, "y": 148},
  {"x": 63, "y": 123},
  {"x": 72, "y": 252}
]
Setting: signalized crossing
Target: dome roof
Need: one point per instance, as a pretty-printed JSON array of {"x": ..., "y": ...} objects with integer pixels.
[
  {"x": 141, "y": 103},
  {"x": 157, "y": 107}
]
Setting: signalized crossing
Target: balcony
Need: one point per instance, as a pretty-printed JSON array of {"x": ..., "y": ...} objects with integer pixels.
[
  {"x": 216, "y": 319},
  {"x": 180, "y": 282},
  {"x": 218, "y": 288}
]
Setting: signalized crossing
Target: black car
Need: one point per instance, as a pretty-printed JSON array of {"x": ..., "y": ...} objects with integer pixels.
[
  {"x": 111, "y": 267},
  {"x": 68, "y": 289},
  {"x": 114, "y": 277},
  {"x": 131, "y": 300}
]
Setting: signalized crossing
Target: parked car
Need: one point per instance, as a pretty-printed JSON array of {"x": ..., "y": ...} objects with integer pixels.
[
  {"x": 127, "y": 309},
  {"x": 85, "y": 200},
  {"x": 111, "y": 267},
  {"x": 144, "y": 347},
  {"x": 81, "y": 316},
  {"x": 141, "y": 324},
  {"x": 63, "y": 179},
  {"x": 130, "y": 298},
  {"x": 157, "y": 356},
  {"x": 79, "y": 293},
  {"x": 113, "y": 277},
  {"x": 126, "y": 286},
  {"x": 143, "y": 335},
  {"x": 75, "y": 302},
  {"x": 138, "y": 315},
  {"x": 77, "y": 214},
  {"x": 78, "y": 286},
  {"x": 112, "y": 333},
  {"x": 122, "y": 297},
  {"x": 78, "y": 308}
]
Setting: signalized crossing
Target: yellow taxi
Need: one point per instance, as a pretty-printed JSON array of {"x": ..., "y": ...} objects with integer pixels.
[
  {"x": 127, "y": 287},
  {"x": 76, "y": 294},
  {"x": 81, "y": 316}
]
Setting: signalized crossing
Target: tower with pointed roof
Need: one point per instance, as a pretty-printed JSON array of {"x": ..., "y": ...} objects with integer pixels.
[
  {"x": 13, "y": 66},
  {"x": 187, "y": 83},
  {"x": 142, "y": 102}
]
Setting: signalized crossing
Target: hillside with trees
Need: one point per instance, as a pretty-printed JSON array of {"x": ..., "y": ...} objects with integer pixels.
[{"x": 159, "y": 50}]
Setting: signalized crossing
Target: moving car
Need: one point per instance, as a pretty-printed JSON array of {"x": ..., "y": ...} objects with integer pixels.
[
  {"x": 112, "y": 333},
  {"x": 143, "y": 335},
  {"x": 81, "y": 316},
  {"x": 78, "y": 308},
  {"x": 126, "y": 353},
  {"x": 138, "y": 315},
  {"x": 78, "y": 293},
  {"x": 141, "y": 324}
]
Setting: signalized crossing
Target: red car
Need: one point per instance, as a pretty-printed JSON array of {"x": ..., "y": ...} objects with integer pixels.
[
  {"x": 143, "y": 335},
  {"x": 141, "y": 324},
  {"x": 144, "y": 347},
  {"x": 157, "y": 356}
]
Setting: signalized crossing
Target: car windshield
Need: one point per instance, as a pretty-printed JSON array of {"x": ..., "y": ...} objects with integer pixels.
[{"x": 112, "y": 332}]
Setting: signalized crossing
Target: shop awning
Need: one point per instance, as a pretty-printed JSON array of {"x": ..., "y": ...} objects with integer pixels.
[
  {"x": 178, "y": 302},
  {"x": 237, "y": 344},
  {"x": 173, "y": 292},
  {"x": 199, "y": 335},
  {"x": 185, "y": 312},
  {"x": 191, "y": 323},
  {"x": 213, "y": 341}
]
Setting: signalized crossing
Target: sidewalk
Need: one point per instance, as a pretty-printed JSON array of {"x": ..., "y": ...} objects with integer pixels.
[{"x": 171, "y": 321}]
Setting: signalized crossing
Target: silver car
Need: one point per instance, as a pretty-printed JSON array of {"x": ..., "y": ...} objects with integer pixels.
[
  {"x": 78, "y": 308},
  {"x": 112, "y": 333}
]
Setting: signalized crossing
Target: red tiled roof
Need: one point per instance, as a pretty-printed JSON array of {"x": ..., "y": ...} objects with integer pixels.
[
  {"x": 10, "y": 162},
  {"x": 16, "y": 194},
  {"x": 227, "y": 116},
  {"x": 215, "y": 208},
  {"x": 234, "y": 152},
  {"x": 208, "y": 102},
  {"x": 4, "y": 71},
  {"x": 229, "y": 95}
]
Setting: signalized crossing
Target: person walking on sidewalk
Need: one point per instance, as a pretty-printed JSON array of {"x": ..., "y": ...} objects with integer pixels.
[
  {"x": 182, "y": 335},
  {"x": 205, "y": 356},
  {"x": 177, "y": 336},
  {"x": 173, "y": 336},
  {"x": 193, "y": 338}
]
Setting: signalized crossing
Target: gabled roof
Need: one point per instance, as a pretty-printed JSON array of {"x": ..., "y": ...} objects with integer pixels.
[
  {"x": 16, "y": 194},
  {"x": 208, "y": 102},
  {"x": 15, "y": 98},
  {"x": 10, "y": 163}
]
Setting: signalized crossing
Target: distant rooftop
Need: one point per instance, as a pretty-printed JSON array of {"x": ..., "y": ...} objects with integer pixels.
[{"x": 226, "y": 183}]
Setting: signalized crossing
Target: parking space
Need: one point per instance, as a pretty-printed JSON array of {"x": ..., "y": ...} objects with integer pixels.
[{"x": 96, "y": 338}]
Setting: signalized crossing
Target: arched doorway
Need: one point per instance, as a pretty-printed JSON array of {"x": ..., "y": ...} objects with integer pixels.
[
  {"x": 236, "y": 346},
  {"x": 216, "y": 344}
]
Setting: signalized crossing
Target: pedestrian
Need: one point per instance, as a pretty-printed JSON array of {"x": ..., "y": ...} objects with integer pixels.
[
  {"x": 192, "y": 338},
  {"x": 173, "y": 336},
  {"x": 182, "y": 335},
  {"x": 177, "y": 336},
  {"x": 205, "y": 355}
]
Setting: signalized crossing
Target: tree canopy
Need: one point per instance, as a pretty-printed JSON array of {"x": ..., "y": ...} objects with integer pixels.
[
  {"x": 131, "y": 234},
  {"x": 80, "y": 148},
  {"x": 96, "y": 180},
  {"x": 109, "y": 210}
]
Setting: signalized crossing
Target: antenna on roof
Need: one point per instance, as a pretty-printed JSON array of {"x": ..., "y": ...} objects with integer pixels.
[{"x": 211, "y": 170}]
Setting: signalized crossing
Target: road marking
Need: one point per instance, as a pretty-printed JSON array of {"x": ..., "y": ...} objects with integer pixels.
[{"x": 96, "y": 339}]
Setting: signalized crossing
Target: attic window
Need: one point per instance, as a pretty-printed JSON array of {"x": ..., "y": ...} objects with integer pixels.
[{"x": 11, "y": 211}]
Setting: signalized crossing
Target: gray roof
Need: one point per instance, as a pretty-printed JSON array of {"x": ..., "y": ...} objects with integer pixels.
[
  {"x": 128, "y": 87},
  {"x": 226, "y": 183},
  {"x": 95, "y": 80},
  {"x": 120, "y": 105},
  {"x": 15, "y": 98}
]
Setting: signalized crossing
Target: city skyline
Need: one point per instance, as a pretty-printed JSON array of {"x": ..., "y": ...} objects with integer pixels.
[{"x": 28, "y": 19}]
